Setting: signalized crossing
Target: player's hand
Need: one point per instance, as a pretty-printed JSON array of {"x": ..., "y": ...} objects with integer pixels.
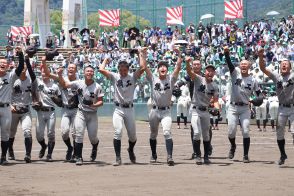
[
  {"x": 43, "y": 58},
  {"x": 260, "y": 52},
  {"x": 13, "y": 110},
  {"x": 226, "y": 50},
  {"x": 188, "y": 59},
  {"x": 107, "y": 60},
  {"x": 60, "y": 71},
  {"x": 177, "y": 50}
]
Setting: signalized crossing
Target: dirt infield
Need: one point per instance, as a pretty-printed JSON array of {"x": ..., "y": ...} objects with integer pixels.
[{"x": 223, "y": 177}]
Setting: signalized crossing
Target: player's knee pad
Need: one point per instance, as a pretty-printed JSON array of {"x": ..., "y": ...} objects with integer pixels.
[
  {"x": 117, "y": 134},
  {"x": 167, "y": 134},
  {"x": 153, "y": 135},
  {"x": 51, "y": 138},
  {"x": 27, "y": 133}
]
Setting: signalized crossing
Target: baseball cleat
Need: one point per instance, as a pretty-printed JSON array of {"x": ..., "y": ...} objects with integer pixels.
[
  {"x": 3, "y": 161},
  {"x": 11, "y": 155},
  {"x": 153, "y": 158},
  {"x": 207, "y": 161},
  {"x": 93, "y": 155},
  {"x": 117, "y": 161},
  {"x": 170, "y": 161},
  {"x": 282, "y": 159},
  {"x": 232, "y": 152},
  {"x": 27, "y": 159},
  {"x": 42, "y": 152},
  {"x": 193, "y": 156},
  {"x": 179, "y": 127},
  {"x": 73, "y": 159},
  {"x": 68, "y": 154},
  {"x": 198, "y": 160},
  {"x": 49, "y": 158},
  {"x": 259, "y": 129},
  {"x": 79, "y": 161},
  {"x": 246, "y": 159},
  {"x": 132, "y": 156}
]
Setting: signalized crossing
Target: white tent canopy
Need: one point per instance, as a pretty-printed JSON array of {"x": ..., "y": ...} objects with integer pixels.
[
  {"x": 206, "y": 16},
  {"x": 272, "y": 13}
]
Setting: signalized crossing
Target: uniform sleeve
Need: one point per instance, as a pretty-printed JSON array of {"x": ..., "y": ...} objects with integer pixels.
[
  {"x": 113, "y": 77},
  {"x": 216, "y": 91},
  {"x": 99, "y": 91},
  {"x": 74, "y": 84},
  {"x": 12, "y": 77}
]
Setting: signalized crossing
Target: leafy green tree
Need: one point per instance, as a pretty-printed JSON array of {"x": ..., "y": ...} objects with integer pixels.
[{"x": 56, "y": 21}]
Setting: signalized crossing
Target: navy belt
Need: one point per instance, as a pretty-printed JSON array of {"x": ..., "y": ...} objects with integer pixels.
[
  {"x": 160, "y": 108},
  {"x": 238, "y": 103},
  {"x": 286, "y": 105},
  {"x": 201, "y": 108},
  {"x": 124, "y": 105},
  {"x": 70, "y": 107},
  {"x": 43, "y": 109},
  {"x": 3, "y": 105}
]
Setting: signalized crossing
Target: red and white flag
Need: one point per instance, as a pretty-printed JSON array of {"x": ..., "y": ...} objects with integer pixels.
[
  {"x": 233, "y": 9},
  {"x": 26, "y": 31},
  {"x": 174, "y": 15},
  {"x": 109, "y": 18}
]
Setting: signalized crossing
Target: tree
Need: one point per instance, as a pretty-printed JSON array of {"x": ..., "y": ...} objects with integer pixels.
[{"x": 56, "y": 21}]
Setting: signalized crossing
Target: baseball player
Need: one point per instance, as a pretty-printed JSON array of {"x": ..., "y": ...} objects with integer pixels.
[
  {"x": 284, "y": 83},
  {"x": 69, "y": 109},
  {"x": 182, "y": 105},
  {"x": 273, "y": 108},
  {"x": 7, "y": 80},
  {"x": 242, "y": 87},
  {"x": 161, "y": 94},
  {"x": 90, "y": 96},
  {"x": 20, "y": 108},
  {"x": 196, "y": 68},
  {"x": 204, "y": 90},
  {"x": 124, "y": 87},
  {"x": 48, "y": 92},
  {"x": 261, "y": 114}
]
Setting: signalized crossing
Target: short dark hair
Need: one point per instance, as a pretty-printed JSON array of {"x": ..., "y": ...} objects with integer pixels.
[
  {"x": 162, "y": 63},
  {"x": 123, "y": 63}
]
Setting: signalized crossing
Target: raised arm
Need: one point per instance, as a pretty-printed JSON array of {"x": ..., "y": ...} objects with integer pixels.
[
  {"x": 102, "y": 69},
  {"x": 262, "y": 62},
  {"x": 191, "y": 74},
  {"x": 142, "y": 62},
  {"x": 30, "y": 69},
  {"x": 46, "y": 70},
  {"x": 178, "y": 65},
  {"x": 62, "y": 82},
  {"x": 228, "y": 59},
  {"x": 20, "y": 66}
]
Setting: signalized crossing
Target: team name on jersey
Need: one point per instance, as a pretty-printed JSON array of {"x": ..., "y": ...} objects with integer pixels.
[
  {"x": 157, "y": 87},
  {"x": 121, "y": 84},
  {"x": 202, "y": 89},
  {"x": 18, "y": 90},
  {"x": 281, "y": 85},
  {"x": 239, "y": 83},
  {"x": 4, "y": 82},
  {"x": 50, "y": 91}
]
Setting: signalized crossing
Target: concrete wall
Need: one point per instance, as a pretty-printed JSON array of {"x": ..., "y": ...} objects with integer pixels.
[
  {"x": 37, "y": 12},
  {"x": 71, "y": 17}
]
